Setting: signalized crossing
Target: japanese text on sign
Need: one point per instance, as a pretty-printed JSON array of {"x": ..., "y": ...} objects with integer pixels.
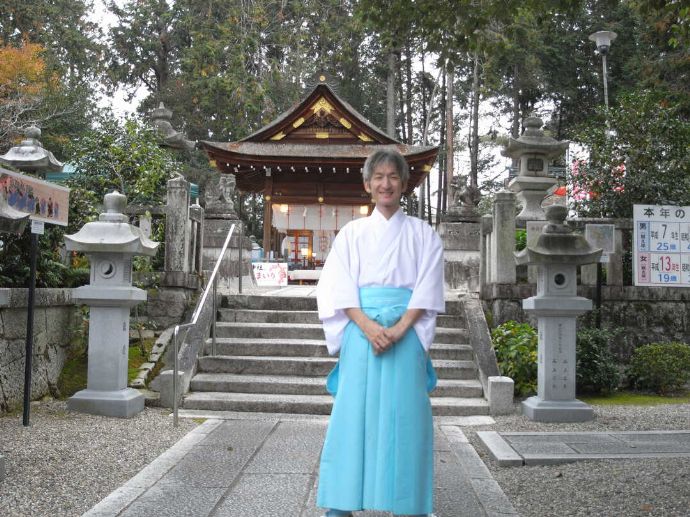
[
  {"x": 270, "y": 273},
  {"x": 662, "y": 245}
]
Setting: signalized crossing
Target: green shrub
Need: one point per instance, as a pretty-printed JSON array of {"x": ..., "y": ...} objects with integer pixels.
[
  {"x": 660, "y": 367},
  {"x": 516, "y": 352},
  {"x": 596, "y": 366},
  {"x": 520, "y": 239}
]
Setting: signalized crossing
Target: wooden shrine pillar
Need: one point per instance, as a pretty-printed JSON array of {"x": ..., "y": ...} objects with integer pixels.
[
  {"x": 268, "y": 213},
  {"x": 268, "y": 222}
]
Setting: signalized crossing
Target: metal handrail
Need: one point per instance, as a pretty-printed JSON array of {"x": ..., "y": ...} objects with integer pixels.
[{"x": 211, "y": 285}]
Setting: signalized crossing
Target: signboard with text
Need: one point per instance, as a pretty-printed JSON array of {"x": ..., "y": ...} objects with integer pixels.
[
  {"x": 661, "y": 255},
  {"x": 270, "y": 273},
  {"x": 42, "y": 200}
]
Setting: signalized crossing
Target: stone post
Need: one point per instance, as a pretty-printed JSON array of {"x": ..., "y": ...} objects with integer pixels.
[
  {"x": 485, "y": 259},
  {"x": 556, "y": 305},
  {"x": 110, "y": 243},
  {"x": 461, "y": 244},
  {"x": 176, "y": 232},
  {"x": 503, "y": 239}
]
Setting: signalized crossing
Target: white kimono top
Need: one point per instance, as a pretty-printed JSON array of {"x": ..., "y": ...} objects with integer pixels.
[{"x": 374, "y": 251}]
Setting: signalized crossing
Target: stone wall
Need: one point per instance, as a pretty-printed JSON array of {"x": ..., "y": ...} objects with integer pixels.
[
  {"x": 54, "y": 322},
  {"x": 645, "y": 314}
]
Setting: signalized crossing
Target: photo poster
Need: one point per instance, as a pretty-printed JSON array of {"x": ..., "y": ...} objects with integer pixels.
[
  {"x": 661, "y": 253},
  {"x": 42, "y": 200},
  {"x": 270, "y": 274}
]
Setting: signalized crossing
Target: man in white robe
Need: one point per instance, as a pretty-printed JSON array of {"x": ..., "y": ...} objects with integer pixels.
[{"x": 381, "y": 286}]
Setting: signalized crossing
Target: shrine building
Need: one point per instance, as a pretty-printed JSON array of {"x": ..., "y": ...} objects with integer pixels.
[{"x": 307, "y": 163}]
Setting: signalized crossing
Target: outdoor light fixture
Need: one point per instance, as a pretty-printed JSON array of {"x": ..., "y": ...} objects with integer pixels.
[
  {"x": 603, "y": 40},
  {"x": 320, "y": 199},
  {"x": 267, "y": 197}
]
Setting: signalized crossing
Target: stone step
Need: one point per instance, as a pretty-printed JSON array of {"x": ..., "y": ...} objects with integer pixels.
[
  {"x": 299, "y": 303},
  {"x": 249, "y": 301},
  {"x": 309, "y": 331},
  {"x": 312, "y": 366},
  {"x": 294, "y": 385},
  {"x": 292, "y": 316},
  {"x": 313, "y": 348},
  {"x": 312, "y": 404}
]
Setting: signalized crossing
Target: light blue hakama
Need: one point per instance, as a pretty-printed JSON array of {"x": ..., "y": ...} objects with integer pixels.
[{"x": 378, "y": 452}]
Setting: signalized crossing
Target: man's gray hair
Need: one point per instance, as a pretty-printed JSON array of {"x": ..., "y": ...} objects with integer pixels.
[{"x": 390, "y": 156}]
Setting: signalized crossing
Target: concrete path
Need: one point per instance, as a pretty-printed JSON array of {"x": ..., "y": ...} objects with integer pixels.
[
  {"x": 266, "y": 466},
  {"x": 515, "y": 449}
]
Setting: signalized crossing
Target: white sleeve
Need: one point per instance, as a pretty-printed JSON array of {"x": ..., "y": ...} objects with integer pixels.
[
  {"x": 429, "y": 286},
  {"x": 337, "y": 290}
]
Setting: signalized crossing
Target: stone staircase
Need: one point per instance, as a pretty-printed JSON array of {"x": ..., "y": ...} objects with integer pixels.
[{"x": 271, "y": 357}]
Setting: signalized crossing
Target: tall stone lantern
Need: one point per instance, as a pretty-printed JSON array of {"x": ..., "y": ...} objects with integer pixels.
[
  {"x": 556, "y": 305},
  {"x": 533, "y": 151},
  {"x": 110, "y": 243}
]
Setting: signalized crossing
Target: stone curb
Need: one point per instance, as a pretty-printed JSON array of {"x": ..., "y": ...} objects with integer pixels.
[
  {"x": 551, "y": 448},
  {"x": 489, "y": 493},
  {"x": 156, "y": 353},
  {"x": 121, "y": 498}
]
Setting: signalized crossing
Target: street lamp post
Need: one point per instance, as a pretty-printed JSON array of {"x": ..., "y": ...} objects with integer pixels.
[{"x": 603, "y": 40}]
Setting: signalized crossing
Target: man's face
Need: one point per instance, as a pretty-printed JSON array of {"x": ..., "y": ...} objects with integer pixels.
[{"x": 385, "y": 186}]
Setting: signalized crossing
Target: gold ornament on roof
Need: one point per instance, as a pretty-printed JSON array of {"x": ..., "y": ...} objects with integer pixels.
[
  {"x": 322, "y": 104},
  {"x": 345, "y": 122},
  {"x": 297, "y": 123},
  {"x": 364, "y": 138},
  {"x": 278, "y": 136}
]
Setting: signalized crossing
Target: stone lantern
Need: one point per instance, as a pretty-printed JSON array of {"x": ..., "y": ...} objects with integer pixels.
[
  {"x": 556, "y": 305},
  {"x": 533, "y": 151},
  {"x": 30, "y": 156},
  {"x": 110, "y": 243}
]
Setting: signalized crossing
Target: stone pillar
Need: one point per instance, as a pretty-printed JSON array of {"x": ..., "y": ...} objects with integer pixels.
[
  {"x": 614, "y": 268},
  {"x": 503, "y": 239},
  {"x": 461, "y": 244},
  {"x": 485, "y": 260},
  {"x": 176, "y": 232},
  {"x": 556, "y": 305},
  {"x": 110, "y": 243}
]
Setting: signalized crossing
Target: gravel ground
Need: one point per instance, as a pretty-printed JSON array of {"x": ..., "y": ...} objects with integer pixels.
[
  {"x": 644, "y": 487},
  {"x": 66, "y": 462}
]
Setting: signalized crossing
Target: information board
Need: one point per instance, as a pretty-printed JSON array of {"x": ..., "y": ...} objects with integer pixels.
[
  {"x": 661, "y": 245},
  {"x": 270, "y": 273},
  {"x": 42, "y": 200}
]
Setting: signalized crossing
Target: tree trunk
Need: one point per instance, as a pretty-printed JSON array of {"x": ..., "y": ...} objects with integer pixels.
[
  {"x": 423, "y": 188},
  {"x": 390, "y": 96},
  {"x": 404, "y": 128},
  {"x": 440, "y": 198},
  {"x": 408, "y": 92},
  {"x": 474, "y": 141},
  {"x": 515, "y": 127},
  {"x": 450, "y": 133}
]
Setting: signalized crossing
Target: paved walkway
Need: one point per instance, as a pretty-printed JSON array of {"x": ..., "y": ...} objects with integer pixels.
[
  {"x": 515, "y": 449},
  {"x": 266, "y": 466}
]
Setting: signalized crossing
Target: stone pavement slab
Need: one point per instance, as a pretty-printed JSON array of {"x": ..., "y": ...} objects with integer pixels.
[
  {"x": 268, "y": 465},
  {"x": 544, "y": 448}
]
